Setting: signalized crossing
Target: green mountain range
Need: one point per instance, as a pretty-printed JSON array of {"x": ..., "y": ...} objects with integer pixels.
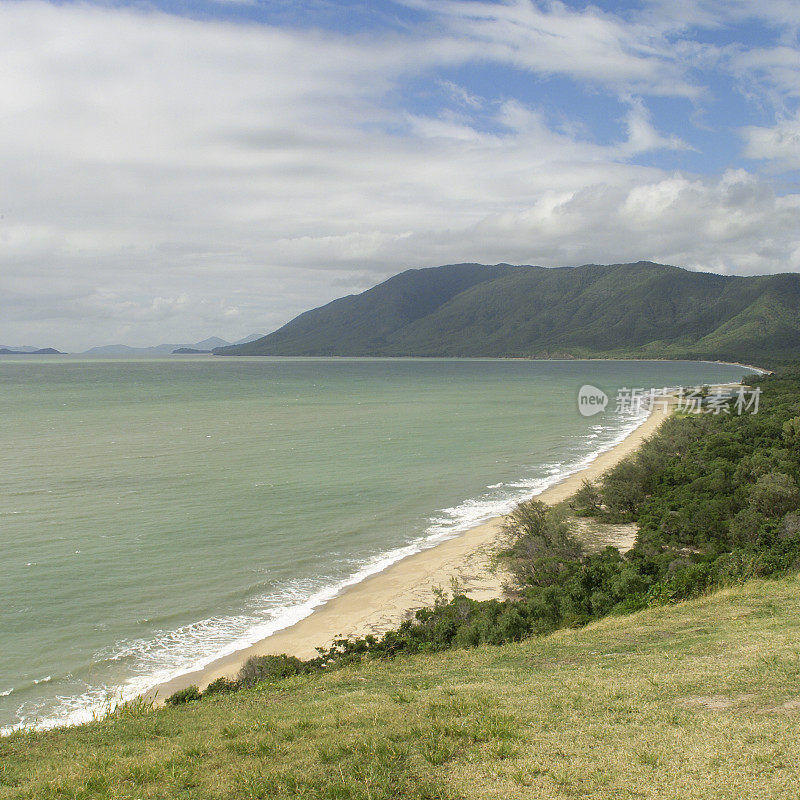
[{"x": 641, "y": 310}]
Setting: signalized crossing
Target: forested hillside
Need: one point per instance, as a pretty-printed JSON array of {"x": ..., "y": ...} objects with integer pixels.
[{"x": 641, "y": 310}]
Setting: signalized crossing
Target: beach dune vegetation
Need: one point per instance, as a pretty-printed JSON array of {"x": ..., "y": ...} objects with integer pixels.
[
  {"x": 587, "y": 501},
  {"x": 187, "y": 695}
]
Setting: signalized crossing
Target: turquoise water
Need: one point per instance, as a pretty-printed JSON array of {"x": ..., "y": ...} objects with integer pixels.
[{"x": 156, "y": 514}]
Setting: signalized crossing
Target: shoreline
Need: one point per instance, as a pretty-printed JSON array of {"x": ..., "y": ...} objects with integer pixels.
[{"x": 383, "y": 600}]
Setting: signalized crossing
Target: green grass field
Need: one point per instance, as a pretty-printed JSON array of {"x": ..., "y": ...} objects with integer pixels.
[{"x": 697, "y": 700}]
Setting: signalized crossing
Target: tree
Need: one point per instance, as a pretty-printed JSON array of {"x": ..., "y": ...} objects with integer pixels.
[
  {"x": 775, "y": 494},
  {"x": 587, "y": 499},
  {"x": 541, "y": 549},
  {"x": 791, "y": 431},
  {"x": 623, "y": 490}
]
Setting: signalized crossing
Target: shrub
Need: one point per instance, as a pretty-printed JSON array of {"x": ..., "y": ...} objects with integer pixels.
[
  {"x": 623, "y": 488},
  {"x": 746, "y": 526},
  {"x": 269, "y": 668},
  {"x": 791, "y": 526},
  {"x": 791, "y": 431},
  {"x": 221, "y": 686},
  {"x": 183, "y": 696}
]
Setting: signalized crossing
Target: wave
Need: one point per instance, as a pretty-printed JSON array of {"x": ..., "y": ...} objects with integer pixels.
[
  {"x": 171, "y": 653},
  {"x": 500, "y": 498}
]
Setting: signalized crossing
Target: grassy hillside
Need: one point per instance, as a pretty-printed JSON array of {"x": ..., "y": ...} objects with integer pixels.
[
  {"x": 625, "y": 310},
  {"x": 697, "y": 700}
]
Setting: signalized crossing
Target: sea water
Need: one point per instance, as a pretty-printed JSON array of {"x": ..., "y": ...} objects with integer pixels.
[{"x": 156, "y": 514}]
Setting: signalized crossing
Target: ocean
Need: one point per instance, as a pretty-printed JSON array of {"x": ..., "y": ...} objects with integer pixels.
[{"x": 156, "y": 514}]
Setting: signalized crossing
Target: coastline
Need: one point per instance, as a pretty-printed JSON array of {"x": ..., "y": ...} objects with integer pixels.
[{"x": 383, "y": 600}]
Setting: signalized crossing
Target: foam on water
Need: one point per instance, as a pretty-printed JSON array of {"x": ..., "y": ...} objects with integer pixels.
[{"x": 171, "y": 653}]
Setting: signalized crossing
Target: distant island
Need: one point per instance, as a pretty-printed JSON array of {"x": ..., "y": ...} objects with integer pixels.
[
  {"x": 28, "y": 351},
  {"x": 639, "y": 310},
  {"x": 205, "y": 346},
  {"x": 189, "y": 351}
]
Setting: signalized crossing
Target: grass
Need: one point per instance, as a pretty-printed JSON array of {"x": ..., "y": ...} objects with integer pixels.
[{"x": 697, "y": 700}]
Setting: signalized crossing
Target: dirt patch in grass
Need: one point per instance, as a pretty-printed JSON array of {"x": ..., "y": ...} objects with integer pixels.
[
  {"x": 716, "y": 702},
  {"x": 789, "y": 707}
]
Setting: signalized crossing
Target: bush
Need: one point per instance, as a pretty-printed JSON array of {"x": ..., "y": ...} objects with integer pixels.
[
  {"x": 183, "y": 696},
  {"x": 746, "y": 526},
  {"x": 791, "y": 526},
  {"x": 791, "y": 431},
  {"x": 269, "y": 668},
  {"x": 221, "y": 686}
]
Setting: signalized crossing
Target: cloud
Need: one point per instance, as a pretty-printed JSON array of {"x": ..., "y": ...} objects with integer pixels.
[
  {"x": 461, "y": 95},
  {"x": 642, "y": 135},
  {"x": 553, "y": 39},
  {"x": 778, "y": 67},
  {"x": 712, "y": 14},
  {"x": 165, "y": 179},
  {"x": 779, "y": 143},
  {"x": 731, "y": 224}
]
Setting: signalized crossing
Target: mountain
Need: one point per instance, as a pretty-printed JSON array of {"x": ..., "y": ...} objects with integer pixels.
[
  {"x": 365, "y": 324},
  {"x": 251, "y": 338},
  {"x": 641, "y": 310},
  {"x": 125, "y": 350},
  {"x": 207, "y": 345},
  {"x": 15, "y": 348},
  {"x": 29, "y": 351}
]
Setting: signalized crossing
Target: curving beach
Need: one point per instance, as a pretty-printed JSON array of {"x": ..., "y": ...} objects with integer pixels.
[
  {"x": 381, "y": 601},
  {"x": 263, "y": 510}
]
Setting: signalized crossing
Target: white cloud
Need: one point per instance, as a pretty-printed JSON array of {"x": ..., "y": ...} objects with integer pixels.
[
  {"x": 710, "y": 14},
  {"x": 461, "y": 95},
  {"x": 551, "y": 39},
  {"x": 642, "y": 135},
  {"x": 777, "y": 67},
  {"x": 167, "y": 179},
  {"x": 779, "y": 143}
]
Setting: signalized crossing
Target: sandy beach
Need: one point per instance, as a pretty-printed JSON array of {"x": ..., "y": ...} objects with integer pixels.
[{"x": 382, "y": 601}]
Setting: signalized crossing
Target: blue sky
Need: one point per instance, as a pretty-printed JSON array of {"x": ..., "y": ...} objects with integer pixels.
[
  {"x": 708, "y": 121},
  {"x": 175, "y": 170}
]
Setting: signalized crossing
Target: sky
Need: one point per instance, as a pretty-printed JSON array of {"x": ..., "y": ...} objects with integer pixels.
[{"x": 172, "y": 170}]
